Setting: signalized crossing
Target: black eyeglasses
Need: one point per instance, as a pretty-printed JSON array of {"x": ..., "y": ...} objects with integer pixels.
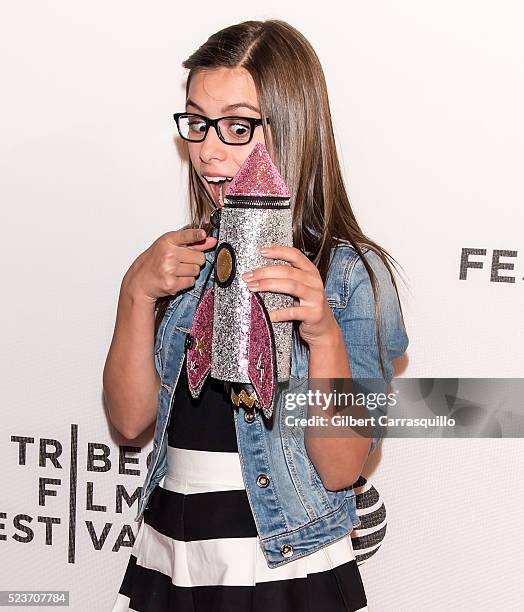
[{"x": 230, "y": 130}]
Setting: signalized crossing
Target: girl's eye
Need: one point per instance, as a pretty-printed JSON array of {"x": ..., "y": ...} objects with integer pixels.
[
  {"x": 238, "y": 129},
  {"x": 197, "y": 126}
]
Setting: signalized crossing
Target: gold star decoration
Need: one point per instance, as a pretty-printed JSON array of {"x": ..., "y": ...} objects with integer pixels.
[{"x": 200, "y": 346}]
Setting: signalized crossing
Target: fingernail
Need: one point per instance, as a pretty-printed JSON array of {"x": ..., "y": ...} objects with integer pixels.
[
  {"x": 265, "y": 250},
  {"x": 252, "y": 285},
  {"x": 247, "y": 275}
]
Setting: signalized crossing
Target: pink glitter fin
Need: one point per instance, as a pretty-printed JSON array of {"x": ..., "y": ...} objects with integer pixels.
[
  {"x": 198, "y": 357},
  {"x": 258, "y": 176},
  {"x": 261, "y": 368}
]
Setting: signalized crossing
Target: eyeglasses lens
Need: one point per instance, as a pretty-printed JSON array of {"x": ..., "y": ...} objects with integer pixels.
[{"x": 234, "y": 130}]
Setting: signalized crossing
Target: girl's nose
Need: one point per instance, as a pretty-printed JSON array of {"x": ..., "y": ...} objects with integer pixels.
[{"x": 212, "y": 147}]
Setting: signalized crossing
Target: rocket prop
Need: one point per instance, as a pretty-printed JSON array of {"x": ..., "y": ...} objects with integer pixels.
[{"x": 232, "y": 336}]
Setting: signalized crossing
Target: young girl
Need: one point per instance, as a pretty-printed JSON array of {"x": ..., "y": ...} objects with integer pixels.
[{"x": 237, "y": 515}]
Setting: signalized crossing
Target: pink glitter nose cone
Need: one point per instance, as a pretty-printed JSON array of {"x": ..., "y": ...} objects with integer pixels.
[{"x": 258, "y": 176}]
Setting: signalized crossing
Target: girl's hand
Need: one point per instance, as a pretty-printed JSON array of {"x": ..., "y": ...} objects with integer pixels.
[
  {"x": 170, "y": 264},
  {"x": 302, "y": 280}
]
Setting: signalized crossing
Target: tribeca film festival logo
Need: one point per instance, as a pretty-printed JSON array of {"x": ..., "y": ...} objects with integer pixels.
[
  {"x": 466, "y": 264},
  {"x": 49, "y": 453}
]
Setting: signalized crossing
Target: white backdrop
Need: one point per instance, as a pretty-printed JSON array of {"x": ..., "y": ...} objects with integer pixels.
[{"x": 427, "y": 103}]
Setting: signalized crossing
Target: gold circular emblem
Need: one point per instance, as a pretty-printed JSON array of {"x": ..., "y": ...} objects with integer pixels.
[{"x": 224, "y": 265}]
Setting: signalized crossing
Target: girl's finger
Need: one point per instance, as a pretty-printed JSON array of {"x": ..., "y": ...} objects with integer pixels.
[
  {"x": 281, "y": 271},
  {"x": 187, "y": 269},
  {"x": 291, "y": 254},
  {"x": 203, "y": 245},
  {"x": 292, "y": 313},
  {"x": 283, "y": 285}
]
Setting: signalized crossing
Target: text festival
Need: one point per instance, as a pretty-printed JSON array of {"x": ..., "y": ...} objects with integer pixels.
[
  {"x": 496, "y": 266},
  {"x": 98, "y": 459}
]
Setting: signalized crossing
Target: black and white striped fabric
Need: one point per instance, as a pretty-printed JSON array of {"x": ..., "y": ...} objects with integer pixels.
[{"x": 197, "y": 549}]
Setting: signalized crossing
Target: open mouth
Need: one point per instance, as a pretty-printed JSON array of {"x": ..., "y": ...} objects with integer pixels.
[{"x": 217, "y": 185}]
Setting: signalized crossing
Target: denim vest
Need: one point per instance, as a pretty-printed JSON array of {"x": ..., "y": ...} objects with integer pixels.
[{"x": 294, "y": 513}]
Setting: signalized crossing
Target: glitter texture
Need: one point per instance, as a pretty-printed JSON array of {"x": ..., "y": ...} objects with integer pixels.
[
  {"x": 261, "y": 355},
  {"x": 246, "y": 230},
  {"x": 198, "y": 358},
  {"x": 245, "y": 346},
  {"x": 258, "y": 176}
]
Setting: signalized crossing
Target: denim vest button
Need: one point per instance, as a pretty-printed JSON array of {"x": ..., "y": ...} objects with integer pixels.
[
  {"x": 286, "y": 550},
  {"x": 262, "y": 480},
  {"x": 249, "y": 417}
]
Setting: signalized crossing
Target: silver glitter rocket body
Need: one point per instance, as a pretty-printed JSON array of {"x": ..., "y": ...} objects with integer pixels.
[
  {"x": 246, "y": 224},
  {"x": 233, "y": 337}
]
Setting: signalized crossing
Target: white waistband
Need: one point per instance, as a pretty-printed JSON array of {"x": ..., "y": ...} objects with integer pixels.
[{"x": 191, "y": 471}]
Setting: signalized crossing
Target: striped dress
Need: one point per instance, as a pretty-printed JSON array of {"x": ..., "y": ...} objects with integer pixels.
[{"x": 197, "y": 549}]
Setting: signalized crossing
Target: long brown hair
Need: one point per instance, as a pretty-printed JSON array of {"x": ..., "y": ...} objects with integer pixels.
[{"x": 292, "y": 91}]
